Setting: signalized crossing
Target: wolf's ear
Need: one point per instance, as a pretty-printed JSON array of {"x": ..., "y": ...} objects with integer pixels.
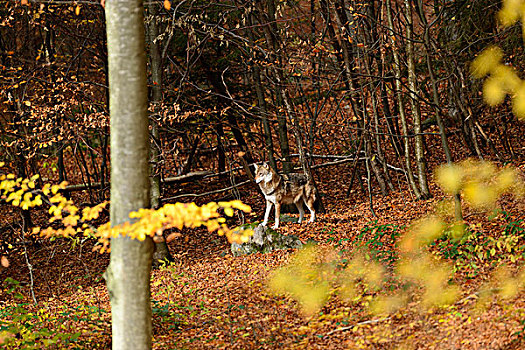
[{"x": 255, "y": 166}]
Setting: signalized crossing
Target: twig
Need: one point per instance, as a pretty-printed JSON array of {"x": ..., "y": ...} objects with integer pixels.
[
  {"x": 358, "y": 324},
  {"x": 30, "y": 275},
  {"x": 29, "y": 266}
]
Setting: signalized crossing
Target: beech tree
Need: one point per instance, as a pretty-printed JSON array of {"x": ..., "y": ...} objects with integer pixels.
[{"x": 128, "y": 274}]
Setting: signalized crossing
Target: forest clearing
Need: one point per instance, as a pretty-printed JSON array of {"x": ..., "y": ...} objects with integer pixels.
[{"x": 323, "y": 174}]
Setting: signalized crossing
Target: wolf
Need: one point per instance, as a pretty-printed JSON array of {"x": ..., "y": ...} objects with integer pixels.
[{"x": 285, "y": 189}]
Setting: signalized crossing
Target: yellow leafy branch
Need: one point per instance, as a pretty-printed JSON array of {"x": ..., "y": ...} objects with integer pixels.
[
  {"x": 144, "y": 222},
  {"x": 151, "y": 223}
]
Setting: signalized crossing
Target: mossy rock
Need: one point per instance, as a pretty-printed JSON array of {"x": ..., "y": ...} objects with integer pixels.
[{"x": 265, "y": 240}]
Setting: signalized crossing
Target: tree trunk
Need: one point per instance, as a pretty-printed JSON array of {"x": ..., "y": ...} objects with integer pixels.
[
  {"x": 128, "y": 274},
  {"x": 162, "y": 251},
  {"x": 264, "y": 119},
  {"x": 416, "y": 111},
  {"x": 271, "y": 32},
  {"x": 263, "y": 109},
  {"x": 398, "y": 92},
  {"x": 444, "y": 141}
]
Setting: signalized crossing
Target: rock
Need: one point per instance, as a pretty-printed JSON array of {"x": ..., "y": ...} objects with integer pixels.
[{"x": 265, "y": 240}]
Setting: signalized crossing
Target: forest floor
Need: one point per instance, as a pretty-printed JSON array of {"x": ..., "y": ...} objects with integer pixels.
[{"x": 209, "y": 299}]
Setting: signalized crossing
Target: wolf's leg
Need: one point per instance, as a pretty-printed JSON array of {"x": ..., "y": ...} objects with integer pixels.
[
  {"x": 300, "y": 207},
  {"x": 310, "y": 206},
  {"x": 277, "y": 214},
  {"x": 267, "y": 213}
]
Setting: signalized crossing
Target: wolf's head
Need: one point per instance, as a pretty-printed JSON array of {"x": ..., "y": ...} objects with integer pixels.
[{"x": 263, "y": 173}]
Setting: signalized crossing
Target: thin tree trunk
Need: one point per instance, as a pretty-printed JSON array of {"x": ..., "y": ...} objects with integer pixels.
[
  {"x": 416, "y": 111},
  {"x": 221, "y": 155},
  {"x": 264, "y": 119},
  {"x": 62, "y": 174},
  {"x": 263, "y": 108},
  {"x": 398, "y": 92},
  {"x": 218, "y": 84},
  {"x": 191, "y": 157},
  {"x": 366, "y": 62},
  {"x": 162, "y": 252},
  {"x": 128, "y": 274},
  {"x": 271, "y": 33},
  {"x": 444, "y": 141},
  {"x": 27, "y": 222}
]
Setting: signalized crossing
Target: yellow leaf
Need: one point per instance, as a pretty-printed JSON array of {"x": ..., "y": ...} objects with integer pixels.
[
  {"x": 493, "y": 91},
  {"x": 510, "y": 12},
  {"x": 167, "y": 4},
  {"x": 54, "y": 189},
  {"x": 518, "y": 102},
  {"x": 77, "y": 10},
  {"x": 449, "y": 178},
  {"x": 480, "y": 195},
  {"x": 488, "y": 60},
  {"x": 508, "y": 77}
]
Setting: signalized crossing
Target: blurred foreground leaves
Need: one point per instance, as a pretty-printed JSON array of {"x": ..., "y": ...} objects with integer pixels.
[
  {"x": 502, "y": 79},
  {"x": 313, "y": 274}
]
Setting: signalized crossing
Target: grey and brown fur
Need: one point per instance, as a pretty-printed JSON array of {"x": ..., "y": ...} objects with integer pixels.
[{"x": 285, "y": 189}]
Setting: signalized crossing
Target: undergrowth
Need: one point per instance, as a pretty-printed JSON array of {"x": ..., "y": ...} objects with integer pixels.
[
  {"x": 475, "y": 248},
  {"x": 29, "y": 326}
]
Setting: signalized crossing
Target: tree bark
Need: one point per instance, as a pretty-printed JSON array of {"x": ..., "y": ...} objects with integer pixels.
[
  {"x": 162, "y": 251},
  {"x": 271, "y": 33},
  {"x": 448, "y": 155},
  {"x": 128, "y": 274},
  {"x": 416, "y": 111},
  {"x": 398, "y": 92}
]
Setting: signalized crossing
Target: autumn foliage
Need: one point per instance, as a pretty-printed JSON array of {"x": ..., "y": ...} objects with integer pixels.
[{"x": 146, "y": 222}]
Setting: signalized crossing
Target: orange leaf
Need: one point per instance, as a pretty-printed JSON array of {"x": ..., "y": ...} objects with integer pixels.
[{"x": 4, "y": 262}]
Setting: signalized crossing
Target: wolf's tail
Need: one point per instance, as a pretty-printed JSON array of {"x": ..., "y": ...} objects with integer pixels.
[{"x": 312, "y": 193}]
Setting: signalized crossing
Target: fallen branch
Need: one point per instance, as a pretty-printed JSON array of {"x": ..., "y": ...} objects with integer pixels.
[
  {"x": 169, "y": 180},
  {"x": 325, "y": 156},
  {"x": 187, "y": 177},
  {"x": 358, "y": 324},
  {"x": 336, "y": 162},
  {"x": 194, "y": 195}
]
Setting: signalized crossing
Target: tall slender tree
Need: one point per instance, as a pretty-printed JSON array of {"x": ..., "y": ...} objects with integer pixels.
[{"x": 128, "y": 274}]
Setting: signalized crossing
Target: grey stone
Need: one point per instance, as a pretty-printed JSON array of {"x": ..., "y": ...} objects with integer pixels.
[{"x": 265, "y": 240}]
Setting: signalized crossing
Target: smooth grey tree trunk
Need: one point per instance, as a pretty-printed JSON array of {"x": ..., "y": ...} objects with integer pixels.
[{"x": 128, "y": 273}]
